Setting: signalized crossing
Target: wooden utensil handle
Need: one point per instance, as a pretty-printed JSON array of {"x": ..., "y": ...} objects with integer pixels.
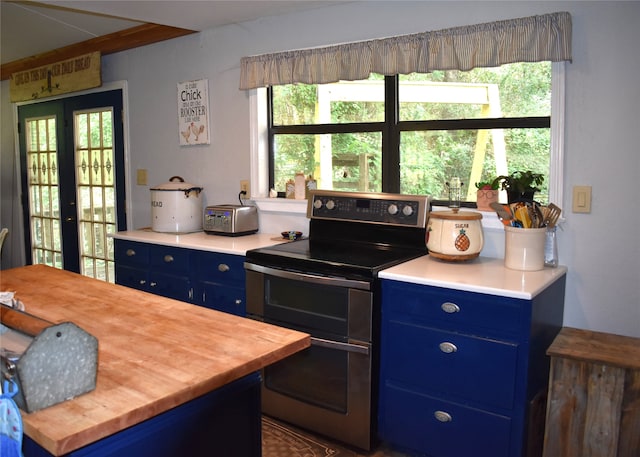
[{"x": 22, "y": 322}]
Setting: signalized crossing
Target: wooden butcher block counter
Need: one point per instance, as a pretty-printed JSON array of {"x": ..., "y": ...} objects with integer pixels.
[{"x": 154, "y": 353}]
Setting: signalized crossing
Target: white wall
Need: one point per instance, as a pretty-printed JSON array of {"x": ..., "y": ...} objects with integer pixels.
[{"x": 601, "y": 249}]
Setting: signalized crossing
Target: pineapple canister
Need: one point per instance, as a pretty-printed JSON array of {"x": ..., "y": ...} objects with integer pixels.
[{"x": 455, "y": 235}]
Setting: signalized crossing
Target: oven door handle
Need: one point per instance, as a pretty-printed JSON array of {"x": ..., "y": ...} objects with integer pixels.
[
  {"x": 324, "y": 280},
  {"x": 348, "y": 347}
]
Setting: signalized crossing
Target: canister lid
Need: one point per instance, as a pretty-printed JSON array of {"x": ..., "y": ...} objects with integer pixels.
[
  {"x": 456, "y": 216},
  {"x": 177, "y": 183}
]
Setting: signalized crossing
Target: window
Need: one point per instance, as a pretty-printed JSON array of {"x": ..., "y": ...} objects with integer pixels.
[{"x": 413, "y": 133}]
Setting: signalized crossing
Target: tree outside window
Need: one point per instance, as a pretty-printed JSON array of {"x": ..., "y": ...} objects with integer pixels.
[{"x": 412, "y": 133}]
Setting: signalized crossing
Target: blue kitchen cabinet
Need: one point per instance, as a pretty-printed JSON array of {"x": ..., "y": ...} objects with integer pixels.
[
  {"x": 465, "y": 373},
  {"x": 224, "y": 422},
  {"x": 219, "y": 282},
  {"x": 204, "y": 278},
  {"x": 169, "y": 272},
  {"x": 162, "y": 270},
  {"x": 132, "y": 264}
]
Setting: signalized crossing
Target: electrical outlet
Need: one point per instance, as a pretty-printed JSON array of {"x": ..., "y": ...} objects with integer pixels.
[{"x": 244, "y": 187}]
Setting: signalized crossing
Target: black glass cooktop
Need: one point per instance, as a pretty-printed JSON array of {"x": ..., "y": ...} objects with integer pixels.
[
  {"x": 342, "y": 259},
  {"x": 352, "y": 235}
]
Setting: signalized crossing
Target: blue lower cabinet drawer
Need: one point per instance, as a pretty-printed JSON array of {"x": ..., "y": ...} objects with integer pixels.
[
  {"x": 438, "y": 428},
  {"x": 131, "y": 253},
  {"x": 223, "y": 268},
  {"x": 131, "y": 277},
  {"x": 177, "y": 287},
  {"x": 169, "y": 259},
  {"x": 453, "y": 309},
  {"x": 222, "y": 298},
  {"x": 471, "y": 368}
]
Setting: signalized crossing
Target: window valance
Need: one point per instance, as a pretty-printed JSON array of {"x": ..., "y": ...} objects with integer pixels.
[{"x": 529, "y": 39}]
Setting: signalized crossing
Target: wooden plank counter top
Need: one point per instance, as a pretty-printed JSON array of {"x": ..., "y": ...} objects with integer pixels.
[
  {"x": 154, "y": 353},
  {"x": 593, "y": 405}
]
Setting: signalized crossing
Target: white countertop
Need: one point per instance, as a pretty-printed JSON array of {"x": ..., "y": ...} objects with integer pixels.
[
  {"x": 202, "y": 241},
  {"x": 483, "y": 275}
]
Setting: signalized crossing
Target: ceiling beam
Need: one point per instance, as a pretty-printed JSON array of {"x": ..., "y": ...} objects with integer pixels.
[{"x": 114, "y": 42}]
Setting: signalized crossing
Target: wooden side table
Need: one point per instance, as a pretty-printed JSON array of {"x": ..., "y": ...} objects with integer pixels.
[{"x": 593, "y": 407}]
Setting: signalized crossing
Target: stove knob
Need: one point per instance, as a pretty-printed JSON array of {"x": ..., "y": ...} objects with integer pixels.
[
  {"x": 331, "y": 204},
  {"x": 393, "y": 209},
  {"x": 317, "y": 204},
  {"x": 407, "y": 211}
]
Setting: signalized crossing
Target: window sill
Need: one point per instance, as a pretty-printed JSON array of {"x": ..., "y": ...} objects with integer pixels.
[
  {"x": 289, "y": 206},
  {"x": 281, "y": 205}
]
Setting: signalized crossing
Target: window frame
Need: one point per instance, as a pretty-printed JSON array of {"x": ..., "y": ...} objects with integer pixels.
[{"x": 261, "y": 170}]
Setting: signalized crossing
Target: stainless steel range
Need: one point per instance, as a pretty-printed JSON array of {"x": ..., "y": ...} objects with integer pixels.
[{"x": 327, "y": 285}]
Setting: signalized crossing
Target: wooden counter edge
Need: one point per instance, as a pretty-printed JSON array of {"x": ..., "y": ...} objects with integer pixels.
[
  {"x": 135, "y": 417},
  {"x": 591, "y": 346}
]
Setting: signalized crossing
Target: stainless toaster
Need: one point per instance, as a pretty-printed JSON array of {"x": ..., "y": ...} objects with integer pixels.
[{"x": 232, "y": 220}]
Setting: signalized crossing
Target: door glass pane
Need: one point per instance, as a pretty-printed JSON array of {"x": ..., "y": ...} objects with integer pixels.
[
  {"x": 96, "y": 192},
  {"x": 42, "y": 175}
]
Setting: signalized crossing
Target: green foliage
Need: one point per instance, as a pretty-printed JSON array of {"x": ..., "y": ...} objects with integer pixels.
[
  {"x": 493, "y": 185},
  {"x": 520, "y": 181},
  {"x": 428, "y": 159}
]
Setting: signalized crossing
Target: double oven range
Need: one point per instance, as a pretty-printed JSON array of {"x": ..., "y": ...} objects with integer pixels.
[{"x": 327, "y": 285}]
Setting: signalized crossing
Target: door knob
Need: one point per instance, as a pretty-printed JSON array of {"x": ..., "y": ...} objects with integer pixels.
[{"x": 70, "y": 219}]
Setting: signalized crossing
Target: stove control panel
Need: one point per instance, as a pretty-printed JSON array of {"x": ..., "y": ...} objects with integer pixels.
[{"x": 375, "y": 208}]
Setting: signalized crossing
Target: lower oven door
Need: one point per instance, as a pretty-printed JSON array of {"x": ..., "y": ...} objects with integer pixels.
[{"x": 326, "y": 388}]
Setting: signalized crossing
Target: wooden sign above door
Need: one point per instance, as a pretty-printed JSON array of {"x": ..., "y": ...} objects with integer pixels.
[{"x": 71, "y": 75}]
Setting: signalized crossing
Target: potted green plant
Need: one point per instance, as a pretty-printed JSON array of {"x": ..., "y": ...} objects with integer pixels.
[
  {"x": 520, "y": 185},
  {"x": 486, "y": 194}
]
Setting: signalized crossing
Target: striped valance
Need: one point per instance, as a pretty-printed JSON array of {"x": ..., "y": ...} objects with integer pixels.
[{"x": 529, "y": 39}]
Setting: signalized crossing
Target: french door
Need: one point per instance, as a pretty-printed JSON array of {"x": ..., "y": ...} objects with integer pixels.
[{"x": 72, "y": 161}]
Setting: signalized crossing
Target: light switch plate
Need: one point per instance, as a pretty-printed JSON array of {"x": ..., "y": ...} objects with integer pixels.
[
  {"x": 581, "y": 199},
  {"x": 141, "y": 177}
]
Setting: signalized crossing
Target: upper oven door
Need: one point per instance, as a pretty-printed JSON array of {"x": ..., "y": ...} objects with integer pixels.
[{"x": 324, "y": 307}]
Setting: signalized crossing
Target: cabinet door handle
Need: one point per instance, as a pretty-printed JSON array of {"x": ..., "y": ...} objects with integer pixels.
[
  {"x": 450, "y": 308},
  {"x": 143, "y": 282},
  {"x": 443, "y": 416},
  {"x": 168, "y": 258},
  {"x": 223, "y": 267},
  {"x": 448, "y": 348},
  {"x": 131, "y": 252},
  {"x": 153, "y": 284}
]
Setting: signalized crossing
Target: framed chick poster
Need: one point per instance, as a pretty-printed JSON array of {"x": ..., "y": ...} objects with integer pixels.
[{"x": 193, "y": 112}]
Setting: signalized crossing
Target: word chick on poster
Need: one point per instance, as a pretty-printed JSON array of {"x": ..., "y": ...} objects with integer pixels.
[{"x": 193, "y": 112}]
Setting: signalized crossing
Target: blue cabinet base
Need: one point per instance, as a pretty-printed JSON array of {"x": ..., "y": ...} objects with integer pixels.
[
  {"x": 464, "y": 373},
  {"x": 225, "y": 422}
]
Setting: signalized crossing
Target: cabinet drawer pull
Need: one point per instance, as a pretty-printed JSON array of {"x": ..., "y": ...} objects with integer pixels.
[
  {"x": 168, "y": 258},
  {"x": 143, "y": 282},
  {"x": 153, "y": 284},
  {"x": 450, "y": 308},
  {"x": 443, "y": 416},
  {"x": 130, "y": 252},
  {"x": 223, "y": 267},
  {"x": 448, "y": 348}
]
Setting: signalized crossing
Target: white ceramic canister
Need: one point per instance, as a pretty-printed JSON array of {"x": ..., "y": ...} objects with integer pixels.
[
  {"x": 455, "y": 235},
  {"x": 524, "y": 248},
  {"x": 176, "y": 207}
]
